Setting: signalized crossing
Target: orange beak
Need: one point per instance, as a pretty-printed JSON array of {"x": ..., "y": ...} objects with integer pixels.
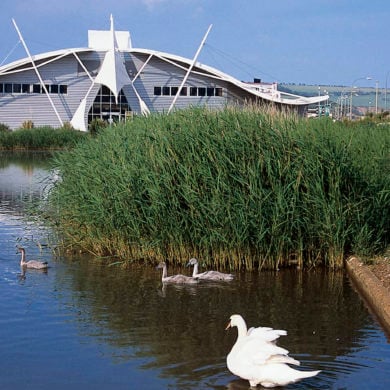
[{"x": 228, "y": 326}]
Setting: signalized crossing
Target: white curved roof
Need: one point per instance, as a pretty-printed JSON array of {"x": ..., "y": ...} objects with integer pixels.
[{"x": 279, "y": 97}]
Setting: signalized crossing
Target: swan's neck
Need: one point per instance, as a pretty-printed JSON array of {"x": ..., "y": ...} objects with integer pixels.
[
  {"x": 164, "y": 272},
  {"x": 23, "y": 259},
  {"x": 242, "y": 329},
  {"x": 196, "y": 270}
]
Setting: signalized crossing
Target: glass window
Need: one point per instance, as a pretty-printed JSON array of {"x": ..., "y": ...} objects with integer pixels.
[
  {"x": 166, "y": 91},
  {"x": 218, "y": 91},
  {"x": 8, "y": 88},
  {"x": 201, "y": 91},
  {"x": 36, "y": 88},
  {"x": 17, "y": 88},
  {"x": 157, "y": 91},
  {"x": 122, "y": 98},
  {"x": 210, "y": 91},
  {"x": 105, "y": 90},
  {"x": 183, "y": 91},
  {"x": 63, "y": 89},
  {"x": 193, "y": 91},
  {"x": 174, "y": 90},
  {"x": 1, "y": 88},
  {"x": 25, "y": 88},
  {"x": 54, "y": 88}
]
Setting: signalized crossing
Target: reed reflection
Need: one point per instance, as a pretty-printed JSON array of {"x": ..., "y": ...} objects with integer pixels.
[{"x": 180, "y": 329}]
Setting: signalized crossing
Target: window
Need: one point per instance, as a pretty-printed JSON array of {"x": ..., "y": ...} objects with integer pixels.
[
  {"x": 201, "y": 91},
  {"x": 8, "y": 88},
  {"x": 54, "y": 88},
  {"x": 63, "y": 89},
  {"x": 1, "y": 88},
  {"x": 36, "y": 88},
  {"x": 17, "y": 88},
  {"x": 193, "y": 91},
  {"x": 210, "y": 91},
  {"x": 109, "y": 111},
  {"x": 25, "y": 88}
]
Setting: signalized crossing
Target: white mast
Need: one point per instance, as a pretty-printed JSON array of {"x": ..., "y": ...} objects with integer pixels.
[
  {"x": 190, "y": 68},
  {"x": 37, "y": 72}
]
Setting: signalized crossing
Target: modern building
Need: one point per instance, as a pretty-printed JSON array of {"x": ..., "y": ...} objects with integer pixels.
[{"x": 112, "y": 80}]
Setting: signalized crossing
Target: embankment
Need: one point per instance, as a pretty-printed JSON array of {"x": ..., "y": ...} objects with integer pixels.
[{"x": 372, "y": 290}]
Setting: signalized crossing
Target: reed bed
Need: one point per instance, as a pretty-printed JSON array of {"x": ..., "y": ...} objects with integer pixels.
[
  {"x": 240, "y": 189},
  {"x": 40, "y": 138}
]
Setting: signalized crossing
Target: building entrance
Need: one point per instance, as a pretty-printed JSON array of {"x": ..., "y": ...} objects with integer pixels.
[{"x": 106, "y": 108}]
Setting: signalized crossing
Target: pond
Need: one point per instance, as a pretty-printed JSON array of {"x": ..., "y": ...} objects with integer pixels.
[{"x": 85, "y": 325}]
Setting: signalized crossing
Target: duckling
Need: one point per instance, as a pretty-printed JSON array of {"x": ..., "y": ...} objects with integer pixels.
[
  {"x": 208, "y": 275},
  {"x": 174, "y": 278},
  {"x": 35, "y": 264}
]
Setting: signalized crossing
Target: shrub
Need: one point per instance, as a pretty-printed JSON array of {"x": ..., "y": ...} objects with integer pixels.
[
  {"x": 41, "y": 138},
  {"x": 28, "y": 124},
  {"x": 4, "y": 127}
]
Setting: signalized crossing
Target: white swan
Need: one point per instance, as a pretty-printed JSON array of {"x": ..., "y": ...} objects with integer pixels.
[
  {"x": 256, "y": 358},
  {"x": 209, "y": 275},
  {"x": 35, "y": 264},
  {"x": 180, "y": 279}
]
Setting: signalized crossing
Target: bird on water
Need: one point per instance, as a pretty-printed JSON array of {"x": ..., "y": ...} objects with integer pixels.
[
  {"x": 256, "y": 357},
  {"x": 33, "y": 264}
]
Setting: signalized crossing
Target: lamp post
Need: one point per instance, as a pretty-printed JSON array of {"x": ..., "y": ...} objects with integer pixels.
[
  {"x": 319, "y": 103},
  {"x": 376, "y": 97},
  {"x": 353, "y": 82},
  {"x": 387, "y": 75}
]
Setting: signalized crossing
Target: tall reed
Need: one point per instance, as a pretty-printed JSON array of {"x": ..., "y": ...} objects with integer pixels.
[{"x": 238, "y": 188}]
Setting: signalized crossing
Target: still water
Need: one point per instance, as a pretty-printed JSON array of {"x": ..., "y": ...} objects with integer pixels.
[{"x": 85, "y": 325}]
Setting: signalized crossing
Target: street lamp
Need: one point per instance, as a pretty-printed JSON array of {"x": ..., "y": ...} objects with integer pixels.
[
  {"x": 319, "y": 103},
  {"x": 350, "y": 103},
  {"x": 387, "y": 75},
  {"x": 376, "y": 97}
]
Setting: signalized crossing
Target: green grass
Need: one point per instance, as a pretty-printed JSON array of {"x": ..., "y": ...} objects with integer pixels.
[
  {"x": 40, "y": 138},
  {"x": 236, "y": 188}
]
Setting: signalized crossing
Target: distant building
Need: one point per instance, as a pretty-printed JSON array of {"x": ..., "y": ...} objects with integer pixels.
[{"x": 111, "y": 80}]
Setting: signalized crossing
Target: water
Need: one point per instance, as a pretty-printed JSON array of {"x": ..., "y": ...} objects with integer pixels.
[{"x": 85, "y": 325}]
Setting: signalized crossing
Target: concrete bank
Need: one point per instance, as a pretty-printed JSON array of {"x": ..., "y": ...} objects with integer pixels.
[{"x": 372, "y": 290}]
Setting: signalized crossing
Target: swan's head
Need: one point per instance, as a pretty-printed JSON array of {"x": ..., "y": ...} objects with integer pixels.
[
  {"x": 20, "y": 249},
  {"x": 238, "y": 321},
  {"x": 192, "y": 261},
  {"x": 161, "y": 265}
]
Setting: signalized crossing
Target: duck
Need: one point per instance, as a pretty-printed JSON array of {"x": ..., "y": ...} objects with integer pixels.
[
  {"x": 34, "y": 264},
  {"x": 178, "y": 279},
  {"x": 208, "y": 275},
  {"x": 256, "y": 357}
]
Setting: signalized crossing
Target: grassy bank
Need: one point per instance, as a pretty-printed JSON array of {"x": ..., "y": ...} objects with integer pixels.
[
  {"x": 238, "y": 189},
  {"x": 40, "y": 138}
]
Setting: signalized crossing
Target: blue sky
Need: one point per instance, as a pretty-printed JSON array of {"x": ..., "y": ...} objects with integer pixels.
[{"x": 331, "y": 42}]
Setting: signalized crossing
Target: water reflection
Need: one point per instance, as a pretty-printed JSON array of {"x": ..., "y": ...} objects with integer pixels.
[
  {"x": 182, "y": 327},
  {"x": 97, "y": 326},
  {"x": 24, "y": 180}
]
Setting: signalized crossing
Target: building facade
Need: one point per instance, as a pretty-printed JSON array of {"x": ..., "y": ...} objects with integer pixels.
[{"x": 111, "y": 80}]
